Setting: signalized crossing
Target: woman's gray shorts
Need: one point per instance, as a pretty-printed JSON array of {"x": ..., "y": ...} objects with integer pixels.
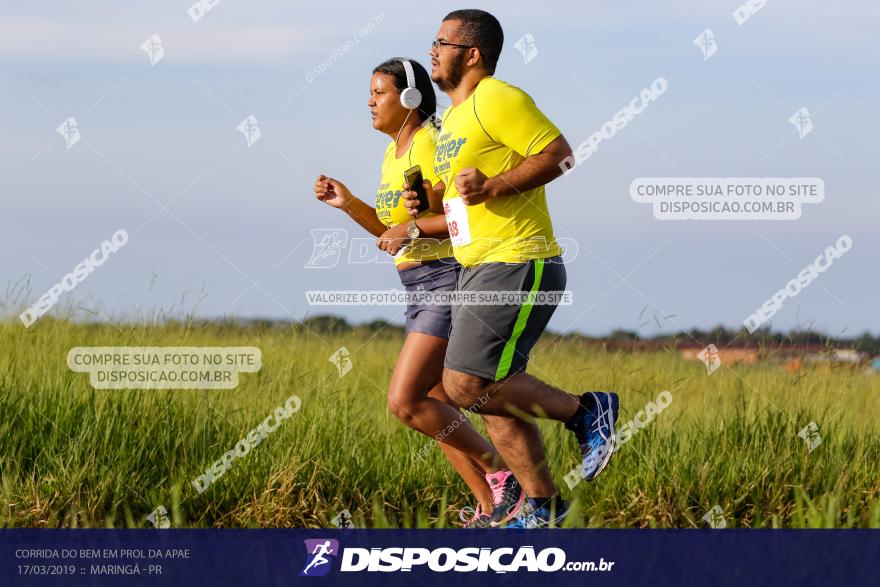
[{"x": 438, "y": 275}]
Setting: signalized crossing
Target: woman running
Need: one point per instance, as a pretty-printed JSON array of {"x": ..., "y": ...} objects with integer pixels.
[{"x": 403, "y": 105}]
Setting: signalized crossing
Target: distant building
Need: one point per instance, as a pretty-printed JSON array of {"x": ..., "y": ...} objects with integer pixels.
[
  {"x": 728, "y": 356},
  {"x": 849, "y": 356},
  {"x": 792, "y": 358}
]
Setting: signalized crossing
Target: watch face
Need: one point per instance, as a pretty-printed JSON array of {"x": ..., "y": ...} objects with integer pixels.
[{"x": 412, "y": 231}]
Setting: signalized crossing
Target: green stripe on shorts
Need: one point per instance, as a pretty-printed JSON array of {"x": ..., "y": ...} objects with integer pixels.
[{"x": 521, "y": 319}]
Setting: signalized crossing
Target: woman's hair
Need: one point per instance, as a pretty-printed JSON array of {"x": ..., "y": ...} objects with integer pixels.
[{"x": 393, "y": 67}]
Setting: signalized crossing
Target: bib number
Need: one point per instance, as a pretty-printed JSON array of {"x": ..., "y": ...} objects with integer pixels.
[{"x": 457, "y": 221}]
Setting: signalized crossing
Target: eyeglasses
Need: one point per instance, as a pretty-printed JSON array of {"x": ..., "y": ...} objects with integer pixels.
[{"x": 435, "y": 44}]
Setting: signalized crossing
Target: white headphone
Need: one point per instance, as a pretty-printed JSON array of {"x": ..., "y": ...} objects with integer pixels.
[{"x": 411, "y": 97}]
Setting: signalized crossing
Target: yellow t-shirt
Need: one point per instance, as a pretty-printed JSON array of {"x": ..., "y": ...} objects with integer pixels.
[
  {"x": 494, "y": 130},
  {"x": 389, "y": 203}
]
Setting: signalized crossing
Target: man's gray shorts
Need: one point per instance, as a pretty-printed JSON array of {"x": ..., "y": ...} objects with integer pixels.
[{"x": 493, "y": 342}]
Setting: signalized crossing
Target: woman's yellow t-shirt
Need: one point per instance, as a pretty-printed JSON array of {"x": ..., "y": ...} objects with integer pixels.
[{"x": 389, "y": 201}]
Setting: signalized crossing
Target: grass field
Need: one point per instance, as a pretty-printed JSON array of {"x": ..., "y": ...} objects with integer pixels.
[{"x": 74, "y": 456}]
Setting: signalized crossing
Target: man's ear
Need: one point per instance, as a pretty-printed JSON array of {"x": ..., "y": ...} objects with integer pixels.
[{"x": 474, "y": 58}]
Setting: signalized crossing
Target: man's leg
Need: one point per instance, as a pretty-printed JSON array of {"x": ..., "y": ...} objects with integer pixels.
[
  {"x": 504, "y": 406},
  {"x": 485, "y": 368},
  {"x": 520, "y": 445},
  {"x": 590, "y": 416},
  {"x": 519, "y": 394}
]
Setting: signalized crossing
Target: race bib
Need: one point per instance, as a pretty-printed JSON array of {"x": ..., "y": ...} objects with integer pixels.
[{"x": 457, "y": 221}]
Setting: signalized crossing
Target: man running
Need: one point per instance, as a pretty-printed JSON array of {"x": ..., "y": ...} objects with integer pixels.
[{"x": 495, "y": 153}]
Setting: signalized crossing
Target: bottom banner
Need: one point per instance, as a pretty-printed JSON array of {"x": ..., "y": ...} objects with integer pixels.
[{"x": 397, "y": 557}]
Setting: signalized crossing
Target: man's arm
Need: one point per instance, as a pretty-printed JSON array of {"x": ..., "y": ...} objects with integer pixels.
[{"x": 534, "y": 171}]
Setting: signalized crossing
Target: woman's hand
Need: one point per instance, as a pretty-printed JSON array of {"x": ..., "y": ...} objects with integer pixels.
[
  {"x": 435, "y": 198},
  {"x": 332, "y": 192},
  {"x": 394, "y": 239}
]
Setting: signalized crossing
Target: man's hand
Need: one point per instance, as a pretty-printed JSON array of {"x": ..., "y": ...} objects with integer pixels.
[
  {"x": 393, "y": 239},
  {"x": 473, "y": 186}
]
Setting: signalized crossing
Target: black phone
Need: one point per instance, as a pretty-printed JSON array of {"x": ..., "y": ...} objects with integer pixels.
[{"x": 413, "y": 177}]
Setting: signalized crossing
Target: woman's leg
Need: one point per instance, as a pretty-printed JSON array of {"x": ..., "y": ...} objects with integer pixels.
[
  {"x": 471, "y": 471},
  {"x": 418, "y": 371}
]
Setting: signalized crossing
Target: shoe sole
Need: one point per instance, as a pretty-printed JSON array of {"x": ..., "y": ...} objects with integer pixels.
[
  {"x": 475, "y": 527},
  {"x": 556, "y": 521},
  {"x": 610, "y": 452},
  {"x": 606, "y": 460},
  {"x": 516, "y": 510}
]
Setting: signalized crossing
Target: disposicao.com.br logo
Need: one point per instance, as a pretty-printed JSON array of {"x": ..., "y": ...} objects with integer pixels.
[{"x": 442, "y": 560}]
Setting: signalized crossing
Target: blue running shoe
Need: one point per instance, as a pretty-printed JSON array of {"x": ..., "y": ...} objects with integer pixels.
[
  {"x": 594, "y": 431},
  {"x": 539, "y": 517}
]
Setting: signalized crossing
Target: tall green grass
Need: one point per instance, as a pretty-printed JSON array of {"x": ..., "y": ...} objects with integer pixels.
[{"x": 77, "y": 457}]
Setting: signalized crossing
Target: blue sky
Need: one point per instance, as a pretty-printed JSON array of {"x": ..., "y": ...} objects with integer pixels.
[{"x": 237, "y": 235}]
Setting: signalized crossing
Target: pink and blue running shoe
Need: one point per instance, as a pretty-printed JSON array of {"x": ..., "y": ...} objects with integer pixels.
[
  {"x": 475, "y": 518},
  {"x": 507, "y": 496}
]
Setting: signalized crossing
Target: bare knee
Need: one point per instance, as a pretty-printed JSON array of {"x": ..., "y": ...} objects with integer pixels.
[
  {"x": 464, "y": 389},
  {"x": 400, "y": 407}
]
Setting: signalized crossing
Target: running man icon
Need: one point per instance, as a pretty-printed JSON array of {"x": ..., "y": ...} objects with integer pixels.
[{"x": 317, "y": 561}]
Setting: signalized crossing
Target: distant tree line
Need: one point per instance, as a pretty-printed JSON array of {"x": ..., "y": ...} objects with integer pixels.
[{"x": 763, "y": 338}]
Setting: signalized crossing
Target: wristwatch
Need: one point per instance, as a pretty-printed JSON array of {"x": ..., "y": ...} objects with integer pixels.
[{"x": 412, "y": 230}]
